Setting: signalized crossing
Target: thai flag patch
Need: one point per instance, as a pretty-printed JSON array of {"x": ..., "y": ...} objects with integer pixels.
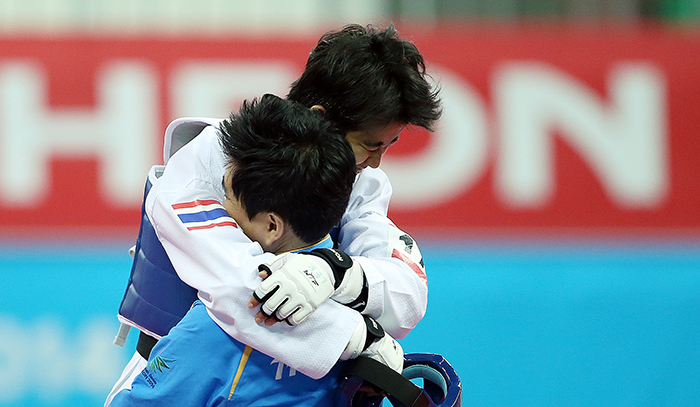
[{"x": 203, "y": 214}]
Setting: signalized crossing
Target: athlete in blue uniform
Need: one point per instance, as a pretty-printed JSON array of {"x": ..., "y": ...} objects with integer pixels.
[
  {"x": 198, "y": 364},
  {"x": 307, "y": 164}
]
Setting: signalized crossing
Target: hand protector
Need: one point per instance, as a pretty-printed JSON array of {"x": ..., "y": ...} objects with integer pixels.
[
  {"x": 350, "y": 283},
  {"x": 384, "y": 348},
  {"x": 370, "y": 340},
  {"x": 297, "y": 284}
]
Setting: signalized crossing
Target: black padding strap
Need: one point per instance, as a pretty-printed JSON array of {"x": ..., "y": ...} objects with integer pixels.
[
  {"x": 145, "y": 344},
  {"x": 360, "y": 303},
  {"x": 374, "y": 331},
  {"x": 337, "y": 259},
  {"x": 387, "y": 379}
]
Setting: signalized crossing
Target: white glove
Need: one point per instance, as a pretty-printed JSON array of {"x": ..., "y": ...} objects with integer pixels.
[
  {"x": 369, "y": 339},
  {"x": 386, "y": 350},
  {"x": 297, "y": 284},
  {"x": 350, "y": 282}
]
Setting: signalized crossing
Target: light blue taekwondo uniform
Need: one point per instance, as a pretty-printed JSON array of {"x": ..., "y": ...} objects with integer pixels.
[{"x": 198, "y": 364}]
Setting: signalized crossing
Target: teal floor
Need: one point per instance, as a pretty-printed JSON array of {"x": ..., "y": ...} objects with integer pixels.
[{"x": 546, "y": 324}]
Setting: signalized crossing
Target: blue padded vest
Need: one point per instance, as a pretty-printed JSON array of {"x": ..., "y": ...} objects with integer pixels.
[{"x": 155, "y": 298}]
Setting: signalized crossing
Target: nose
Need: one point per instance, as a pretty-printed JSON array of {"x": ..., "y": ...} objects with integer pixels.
[{"x": 375, "y": 157}]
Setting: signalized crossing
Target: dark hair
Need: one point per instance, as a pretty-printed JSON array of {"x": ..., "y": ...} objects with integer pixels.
[
  {"x": 289, "y": 160},
  {"x": 367, "y": 78}
]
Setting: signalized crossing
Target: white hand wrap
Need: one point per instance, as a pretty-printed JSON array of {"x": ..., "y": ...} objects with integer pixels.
[
  {"x": 296, "y": 286},
  {"x": 357, "y": 342},
  {"x": 350, "y": 283},
  {"x": 387, "y": 351},
  {"x": 381, "y": 347}
]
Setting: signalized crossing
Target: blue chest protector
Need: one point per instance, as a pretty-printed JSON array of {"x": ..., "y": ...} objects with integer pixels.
[{"x": 155, "y": 299}]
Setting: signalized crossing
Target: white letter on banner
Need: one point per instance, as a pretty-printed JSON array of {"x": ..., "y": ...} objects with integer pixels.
[
  {"x": 120, "y": 130},
  {"x": 456, "y": 156},
  {"x": 207, "y": 89},
  {"x": 624, "y": 141}
]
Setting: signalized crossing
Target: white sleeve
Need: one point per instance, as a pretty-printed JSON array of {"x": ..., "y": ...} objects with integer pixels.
[
  {"x": 221, "y": 263},
  {"x": 398, "y": 290}
]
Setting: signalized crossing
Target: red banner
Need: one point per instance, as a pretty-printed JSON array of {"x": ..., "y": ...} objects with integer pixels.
[{"x": 546, "y": 129}]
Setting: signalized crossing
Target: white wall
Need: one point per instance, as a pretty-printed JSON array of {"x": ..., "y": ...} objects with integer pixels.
[{"x": 183, "y": 16}]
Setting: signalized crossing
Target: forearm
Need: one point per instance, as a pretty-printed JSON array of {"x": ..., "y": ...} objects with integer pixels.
[
  {"x": 222, "y": 265},
  {"x": 394, "y": 270},
  {"x": 312, "y": 347},
  {"x": 397, "y": 296}
]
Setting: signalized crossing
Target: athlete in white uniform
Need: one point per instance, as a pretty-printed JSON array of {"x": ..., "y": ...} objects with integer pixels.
[{"x": 371, "y": 110}]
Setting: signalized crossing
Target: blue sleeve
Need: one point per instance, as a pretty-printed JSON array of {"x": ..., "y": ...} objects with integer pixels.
[{"x": 190, "y": 366}]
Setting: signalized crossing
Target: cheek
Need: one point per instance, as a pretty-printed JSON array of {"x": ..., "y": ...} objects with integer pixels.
[
  {"x": 231, "y": 209},
  {"x": 227, "y": 206},
  {"x": 360, "y": 154}
]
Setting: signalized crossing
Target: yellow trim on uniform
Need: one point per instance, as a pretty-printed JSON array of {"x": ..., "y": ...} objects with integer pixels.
[
  {"x": 239, "y": 371},
  {"x": 306, "y": 247}
]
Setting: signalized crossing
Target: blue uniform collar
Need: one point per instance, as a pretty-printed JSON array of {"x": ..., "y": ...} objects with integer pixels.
[{"x": 325, "y": 243}]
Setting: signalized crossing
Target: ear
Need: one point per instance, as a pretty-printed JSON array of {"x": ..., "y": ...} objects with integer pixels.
[{"x": 275, "y": 228}]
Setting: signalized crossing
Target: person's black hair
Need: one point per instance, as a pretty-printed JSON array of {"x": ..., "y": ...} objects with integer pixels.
[
  {"x": 367, "y": 78},
  {"x": 289, "y": 160}
]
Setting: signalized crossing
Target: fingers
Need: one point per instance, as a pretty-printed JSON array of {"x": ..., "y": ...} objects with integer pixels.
[
  {"x": 286, "y": 310},
  {"x": 255, "y": 302},
  {"x": 261, "y": 296},
  {"x": 273, "y": 301},
  {"x": 292, "y": 288},
  {"x": 264, "y": 293},
  {"x": 261, "y": 318},
  {"x": 299, "y": 316}
]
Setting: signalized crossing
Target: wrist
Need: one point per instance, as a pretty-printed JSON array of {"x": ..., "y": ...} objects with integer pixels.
[
  {"x": 353, "y": 290},
  {"x": 337, "y": 261},
  {"x": 357, "y": 341}
]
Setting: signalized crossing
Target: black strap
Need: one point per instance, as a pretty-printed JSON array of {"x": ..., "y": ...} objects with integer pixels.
[
  {"x": 387, "y": 379},
  {"x": 359, "y": 303},
  {"x": 374, "y": 331},
  {"x": 145, "y": 345}
]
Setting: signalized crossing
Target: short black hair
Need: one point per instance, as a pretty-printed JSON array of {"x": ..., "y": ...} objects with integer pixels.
[
  {"x": 367, "y": 78},
  {"x": 289, "y": 160}
]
